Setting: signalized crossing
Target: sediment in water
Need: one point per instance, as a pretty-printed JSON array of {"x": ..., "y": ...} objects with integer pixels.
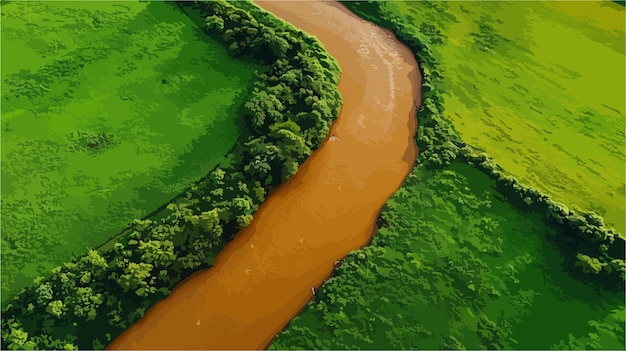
[{"x": 265, "y": 276}]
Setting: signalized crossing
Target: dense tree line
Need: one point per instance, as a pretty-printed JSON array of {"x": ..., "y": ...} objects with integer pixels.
[
  {"x": 299, "y": 87},
  {"x": 592, "y": 248},
  {"x": 593, "y": 251},
  {"x": 87, "y": 302}
]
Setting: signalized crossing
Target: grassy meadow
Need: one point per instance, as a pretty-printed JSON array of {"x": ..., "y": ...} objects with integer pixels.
[
  {"x": 455, "y": 266},
  {"x": 109, "y": 110},
  {"x": 539, "y": 86}
]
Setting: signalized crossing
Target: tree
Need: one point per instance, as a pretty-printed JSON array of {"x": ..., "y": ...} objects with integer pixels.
[
  {"x": 589, "y": 264},
  {"x": 135, "y": 277},
  {"x": 215, "y": 23},
  {"x": 56, "y": 308},
  {"x": 261, "y": 160},
  {"x": 159, "y": 253},
  {"x": 263, "y": 109}
]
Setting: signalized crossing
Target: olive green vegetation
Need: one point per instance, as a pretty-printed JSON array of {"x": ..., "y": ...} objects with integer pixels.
[
  {"x": 108, "y": 111},
  {"x": 87, "y": 302},
  {"x": 456, "y": 266},
  {"x": 539, "y": 86},
  {"x": 467, "y": 257}
]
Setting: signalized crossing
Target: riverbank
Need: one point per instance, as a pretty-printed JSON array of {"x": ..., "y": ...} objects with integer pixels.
[
  {"x": 498, "y": 263},
  {"x": 271, "y": 269}
]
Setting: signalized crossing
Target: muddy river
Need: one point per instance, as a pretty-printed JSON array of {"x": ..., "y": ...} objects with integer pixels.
[{"x": 268, "y": 273}]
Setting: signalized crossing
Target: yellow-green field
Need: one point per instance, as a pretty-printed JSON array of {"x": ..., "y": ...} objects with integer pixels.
[{"x": 539, "y": 86}]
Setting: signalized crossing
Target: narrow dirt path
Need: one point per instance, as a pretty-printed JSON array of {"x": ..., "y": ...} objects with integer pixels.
[{"x": 265, "y": 276}]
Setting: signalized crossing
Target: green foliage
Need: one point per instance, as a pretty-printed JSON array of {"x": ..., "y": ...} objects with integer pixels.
[
  {"x": 262, "y": 108},
  {"x": 437, "y": 139},
  {"x": 301, "y": 81},
  {"x": 106, "y": 292},
  {"x": 92, "y": 299},
  {"x": 134, "y": 278},
  {"x": 105, "y": 118},
  {"x": 56, "y": 308},
  {"x": 467, "y": 257},
  {"x": 588, "y": 264},
  {"x": 489, "y": 334},
  {"x": 516, "y": 78},
  {"x": 596, "y": 246},
  {"x": 440, "y": 144},
  {"x": 454, "y": 265},
  {"x": 17, "y": 339}
]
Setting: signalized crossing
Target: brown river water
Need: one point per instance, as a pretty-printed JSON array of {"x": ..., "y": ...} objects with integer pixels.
[{"x": 266, "y": 275}]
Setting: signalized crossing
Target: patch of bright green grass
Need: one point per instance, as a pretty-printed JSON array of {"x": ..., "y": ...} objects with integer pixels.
[
  {"x": 109, "y": 110},
  {"x": 456, "y": 267},
  {"x": 539, "y": 86}
]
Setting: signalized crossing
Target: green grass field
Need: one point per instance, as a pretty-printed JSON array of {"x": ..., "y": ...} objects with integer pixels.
[
  {"x": 539, "y": 86},
  {"x": 456, "y": 263},
  {"x": 109, "y": 110}
]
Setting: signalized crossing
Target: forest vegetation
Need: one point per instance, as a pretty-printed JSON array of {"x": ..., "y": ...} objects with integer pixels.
[
  {"x": 520, "y": 84},
  {"x": 466, "y": 256},
  {"x": 109, "y": 110},
  {"x": 469, "y": 254},
  {"x": 88, "y": 301}
]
